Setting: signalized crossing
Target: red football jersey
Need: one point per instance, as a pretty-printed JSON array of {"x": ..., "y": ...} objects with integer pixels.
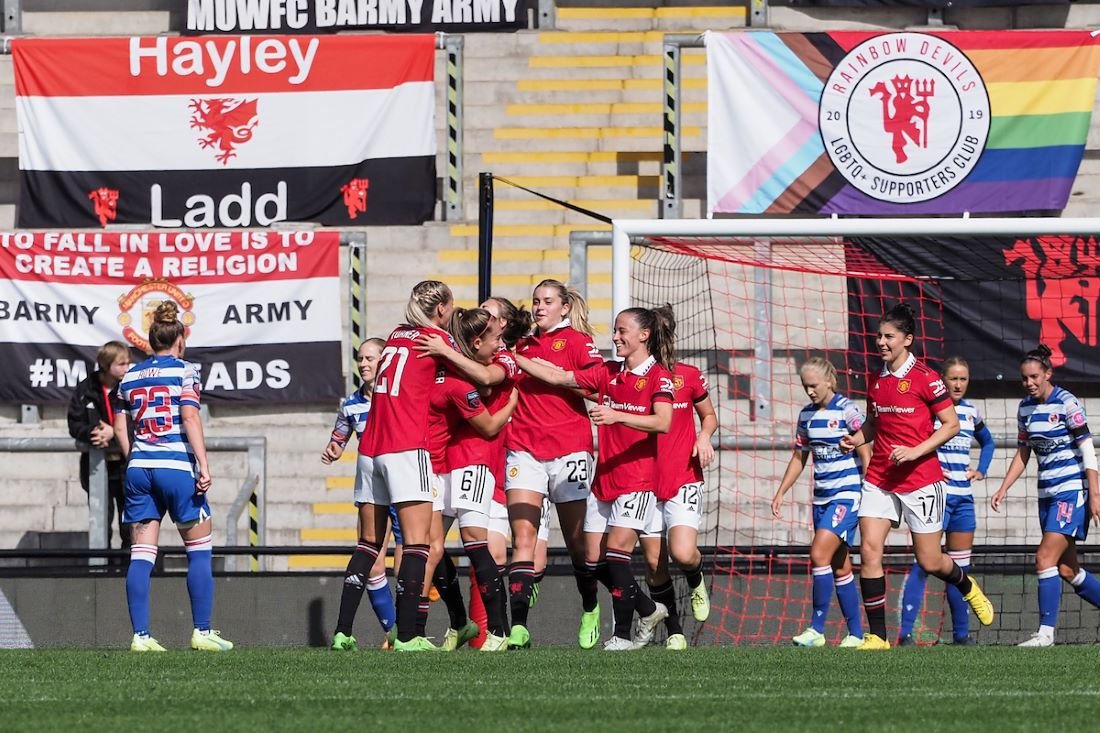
[
  {"x": 496, "y": 401},
  {"x": 627, "y": 461},
  {"x": 550, "y": 422},
  {"x": 677, "y": 466},
  {"x": 904, "y": 404},
  {"x": 402, "y": 391},
  {"x": 453, "y": 441}
]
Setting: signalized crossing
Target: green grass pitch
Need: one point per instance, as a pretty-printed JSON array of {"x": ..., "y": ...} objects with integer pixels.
[{"x": 712, "y": 689}]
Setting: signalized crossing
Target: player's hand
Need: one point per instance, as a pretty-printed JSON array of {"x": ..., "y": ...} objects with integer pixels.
[
  {"x": 996, "y": 499},
  {"x": 1094, "y": 507},
  {"x": 777, "y": 504},
  {"x": 604, "y": 415},
  {"x": 431, "y": 344},
  {"x": 703, "y": 450},
  {"x": 332, "y": 452},
  {"x": 847, "y": 444},
  {"x": 903, "y": 454},
  {"x": 101, "y": 435},
  {"x": 973, "y": 475},
  {"x": 203, "y": 482}
]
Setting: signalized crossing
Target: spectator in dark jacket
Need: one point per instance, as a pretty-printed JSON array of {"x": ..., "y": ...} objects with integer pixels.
[{"x": 92, "y": 411}]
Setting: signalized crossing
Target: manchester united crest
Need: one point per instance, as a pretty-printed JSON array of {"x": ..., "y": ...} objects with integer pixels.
[
  {"x": 904, "y": 385},
  {"x": 558, "y": 345}
]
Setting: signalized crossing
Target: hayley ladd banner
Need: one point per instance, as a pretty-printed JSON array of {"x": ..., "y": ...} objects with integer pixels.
[
  {"x": 897, "y": 123},
  {"x": 330, "y": 16},
  {"x": 262, "y": 309},
  {"x": 226, "y": 131}
]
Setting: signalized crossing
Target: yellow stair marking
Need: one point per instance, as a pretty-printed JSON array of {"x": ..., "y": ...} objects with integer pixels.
[
  {"x": 595, "y": 252},
  {"x": 339, "y": 483},
  {"x": 318, "y": 562},
  {"x": 617, "y": 61},
  {"x": 529, "y": 230},
  {"x": 334, "y": 507},
  {"x": 603, "y": 85},
  {"x": 602, "y": 36},
  {"x": 605, "y": 156},
  {"x": 617, "y": 108},
  {"x": 325, "y": 534},
  {"x": 595, "y": 278},
  {"x": 578, "y": 181},
  {"x": 643, "y": 13},
  {"x": 586, "y": 133},
  {"x": 599, "y": 205}
]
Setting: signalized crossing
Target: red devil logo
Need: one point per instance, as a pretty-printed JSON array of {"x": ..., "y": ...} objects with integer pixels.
[
  {"x": 355, "y": 196},
  {"x": 909, "y": 118},
  {"x": 105, "y": 202}
]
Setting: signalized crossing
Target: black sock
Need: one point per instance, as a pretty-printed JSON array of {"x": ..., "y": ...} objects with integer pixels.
[
  {"x": 521, "y": 576},
  {"x": 502, "y": 599},
  {"x": 874, "y": 604},
  {"x": 489, "y": 584},
  {"x": 587, "y": 585},
  {"x": 355, "y": 582},
  {"x": 958, "y": 578},
  {"x": 410, "y": 584},
  {"x": 666, "y": 594},
  {"x": 603, "y": 575},
  {"x": 624, "y": 592},
  {"x": 422, "y": 608},
  {"x": 445, "y": 579},
  {"x": 539, "y": 576},
  {"x": 694, "y": 575}
]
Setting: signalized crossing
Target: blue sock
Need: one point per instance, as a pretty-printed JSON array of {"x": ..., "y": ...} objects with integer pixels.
[
  {"x": 912, "y": 597},
  {"x": 200, "y": 581},
  {"x": 822, "y": 594},
  {"x": 1050, "y": 597},
  {"x": 142, "y": 558},
  {"x": 848, "y": 597},
  {"x": 960, "y": 609},
  {"x": 378, "y": 591},
  {"x": 1087, "y": 586}
]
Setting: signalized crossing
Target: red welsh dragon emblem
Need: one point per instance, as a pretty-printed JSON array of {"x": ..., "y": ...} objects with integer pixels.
[
  {"x": 105, "y": 202},
  {"x": 355, "y": 196},
  {"x": 1063, "y": 284},
  {"x": 230, "y": 123},
  {"x": 909, "y": 118}
]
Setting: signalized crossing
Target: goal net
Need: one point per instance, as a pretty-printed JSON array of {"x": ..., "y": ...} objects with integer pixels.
[{"x": 755, "y": 298}]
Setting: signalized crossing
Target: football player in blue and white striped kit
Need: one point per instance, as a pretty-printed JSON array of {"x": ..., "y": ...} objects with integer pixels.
[
  {"x": 352, "y": 417},
  {"x": 167, "y": 472},
  {"x": 959, "y": 522},
  {"x": 1052, "y": 424},
  {"x": 837, "y": 485}
]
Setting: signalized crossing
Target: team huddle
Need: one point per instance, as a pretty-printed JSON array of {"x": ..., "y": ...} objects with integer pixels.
[
  {"x": 483, "y": 416},
  {"x": 912, "y": 461}
]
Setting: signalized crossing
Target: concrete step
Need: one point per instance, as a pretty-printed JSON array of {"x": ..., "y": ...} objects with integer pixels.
[
  {"x": 643, "y": 19},
  {"x": 92, "y": 23}
]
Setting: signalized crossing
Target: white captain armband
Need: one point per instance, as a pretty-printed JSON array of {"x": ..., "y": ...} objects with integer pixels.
[{"x": 1088, "y": 453}]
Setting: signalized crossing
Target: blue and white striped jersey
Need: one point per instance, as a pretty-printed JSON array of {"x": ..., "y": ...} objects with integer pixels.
[
  {"x": 954, "y": 455},
  {"x": 152, "y": 393},
  {"x": 352, "y": 416},
  {"x": 1046, "y": 427},
  {"x": 836, "y": 474}
]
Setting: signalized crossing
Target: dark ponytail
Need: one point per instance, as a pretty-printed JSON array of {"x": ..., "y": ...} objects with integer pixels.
[
  {"x": 901, "y": 317},
  {"x": 661, "y": 324},
  {"x": 1041, "y": 355}
]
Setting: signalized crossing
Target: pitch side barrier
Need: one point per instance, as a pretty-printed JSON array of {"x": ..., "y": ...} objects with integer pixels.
[{"x": 250, "y": 494}]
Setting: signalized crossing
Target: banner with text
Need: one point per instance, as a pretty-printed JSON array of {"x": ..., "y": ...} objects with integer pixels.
[
  {"x": 226, "y": 131},
  {"x": 262, "y": 309},
  {"x": 855, "y": 122},
  {"x": 331, "y": 16}
]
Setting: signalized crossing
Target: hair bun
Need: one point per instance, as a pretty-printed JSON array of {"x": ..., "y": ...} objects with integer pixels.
[
  {"x": 1044, "y": 351},
  {"x": 167, "y": 313}
]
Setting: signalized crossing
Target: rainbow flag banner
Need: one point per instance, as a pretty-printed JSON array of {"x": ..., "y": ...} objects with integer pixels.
[{"x": 900, "y": 123}]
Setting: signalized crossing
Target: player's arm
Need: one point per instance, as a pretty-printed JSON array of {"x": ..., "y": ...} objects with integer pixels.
[
  {"x": 192, "y": 428},
  {"x": 657, "y": 421},
  {"x": 1015, "y": 470},
  {"x": 341, "y": 432},
  {"x": 866, "y": 435},
  {"x": 794, "y": 469},
  {"x": 708, "y": 425},
  {"x": 1083, "y": 437},
  {"x": 489, "y": 424},
  {"x": 482, "y": 375},
  {"x": 948, "y": 429},
  {"x": 122, "y": 433},
  {"x": 545, "y": 373},
  {"x": 985, "y": 458},
  {"x": 862, "y": 448}
]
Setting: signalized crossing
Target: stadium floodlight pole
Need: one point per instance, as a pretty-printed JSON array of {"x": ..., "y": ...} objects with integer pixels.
[{"x": 484, "y": 236}]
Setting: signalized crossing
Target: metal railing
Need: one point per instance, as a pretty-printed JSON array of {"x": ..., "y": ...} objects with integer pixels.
[{"x": 251, "y": 494}]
